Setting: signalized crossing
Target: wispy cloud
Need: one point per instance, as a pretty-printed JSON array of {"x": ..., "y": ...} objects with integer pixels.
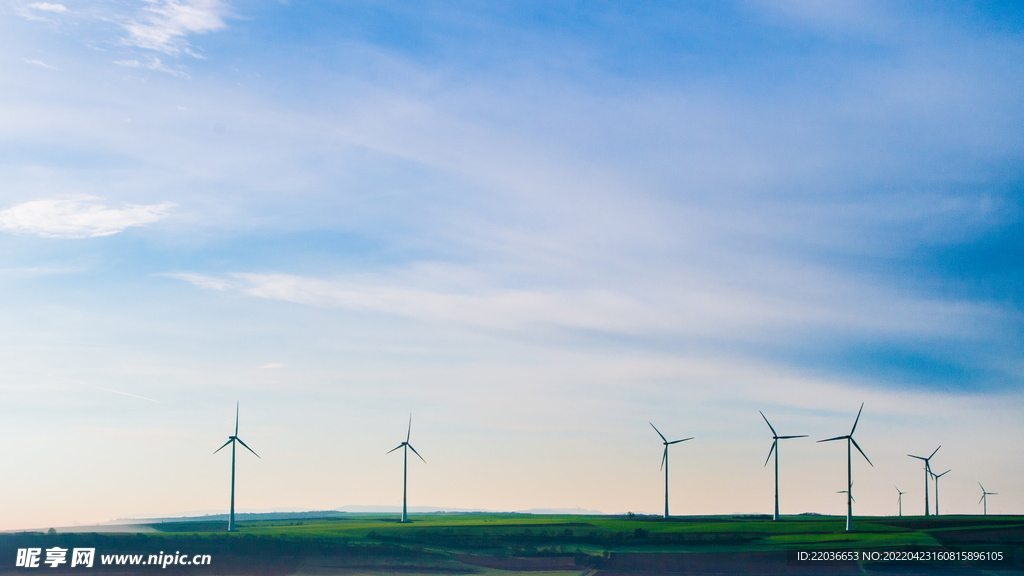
[
  {"x": 49, "y": 7},
  {"x": 152, "y": 64},
  {"x": 40, "y": 63},
  {"x": 36, "y": 271},
  {"x": 100, "y": 387},
  {"x": 162, "y": 434},
  {"x": 164, "y": 25},
  {"x": 201, "y": 280},
  {"x": 702, "y": 308},
  {"x": 41, "y": 11},
  {"x": 77, "y": 217}
]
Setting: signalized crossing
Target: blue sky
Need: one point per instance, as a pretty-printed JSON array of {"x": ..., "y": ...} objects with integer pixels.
[{"x": 534, "y": 226}]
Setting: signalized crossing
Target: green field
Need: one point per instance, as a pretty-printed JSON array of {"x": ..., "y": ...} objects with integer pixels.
[
  {"x": 540, "y": 544},
  {"x": 518, "y": 534}
]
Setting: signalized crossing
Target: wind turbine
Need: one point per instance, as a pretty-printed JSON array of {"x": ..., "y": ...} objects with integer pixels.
[
  {"x": 775, "y": 449},
  {"x": 405, "y": 466},
  {"x": 232, "y": 440},
  {"x": 936, "y": 478},
  {"x": 984, "y": 497},
  {"x": 927, "y": 471},
  {"x": 900, "y": 499},
  {"x": 664, "y": 459},
  {"x": 849, "y": 466}
]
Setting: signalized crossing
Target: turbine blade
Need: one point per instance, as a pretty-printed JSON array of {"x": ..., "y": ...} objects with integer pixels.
[
  {"x": 918, "y": 457},
  {"x": 408, "y": 432},
  {"x": 861, "y": 451},
  {"x": 236, "y": 418},
  {"x": 982, "y": 497},
  {"x": 678, "y": 441},
  {"x": 229, "y": 442},
  {"x": 982, "y": 487},
  {"x": 658, "y": 431},
  {"x": 933, "y": 453},
  {"x": 836, "y": 438},
  {"x": 788, "y": 437},
  {"x": 395, "y": 448},
  {"x": 664, "y": 459},
  {"x": 247, "y": 447},
  {"x": 774, "y": 433},
  {"x": 858, "y": 418},
  {"x": 772, "y": 449},
  {"x": 415, "y": 452}
]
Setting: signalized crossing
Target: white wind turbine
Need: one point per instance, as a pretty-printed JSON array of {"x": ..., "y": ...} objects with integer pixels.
[
  {"x": 775, "y": 449},
  {"x": 936, "y": 478},
  {"x": 900, "y": 499},
  {"x": 927, "y": 472},
  {"x": 405, "y": 466},
  {"x": 232, "y": 440},
  {"x": 984, "y": 497},
  {"x": 849, "y": 466},
  {"x": 664, "y": 459}
]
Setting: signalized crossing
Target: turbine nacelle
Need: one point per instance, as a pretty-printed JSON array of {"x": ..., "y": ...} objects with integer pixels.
[
  {"x": 984, "y": 493},
  {"x": 775, "y": 438}
]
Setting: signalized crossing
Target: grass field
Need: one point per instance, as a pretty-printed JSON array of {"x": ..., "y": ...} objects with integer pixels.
[
  {"x": 493, "y": 544},
  {"x": 530, "y": 534}
]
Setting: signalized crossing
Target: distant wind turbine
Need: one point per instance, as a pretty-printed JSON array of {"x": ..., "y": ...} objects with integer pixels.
[
  {"x": 849, "y": 466},
  {"x": 664, "y": 459},
  {"x": 775, "y": 449},
  {"x": 936, "y": 478},
  {"x": 984, "y": 497},
  {"x": 405, "y": 466},
  {"x": 900, "y": 499},
  {"x": 927, "y": 471},
  {"x": 232, "y": 440}
]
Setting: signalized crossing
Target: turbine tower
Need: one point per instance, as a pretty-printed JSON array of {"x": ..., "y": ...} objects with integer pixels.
[
  {"x": 405, "y": 466},
  {"x": 984, "y": 497},
  {"x": 900, "y": 499},
  {"x": 927, "y": 471},
  {"x": 775, "y": 449},
  {"x": 936, "y": 478},
  {"x": 232, "y": 440},
  {"x": 664, "y": 459},
  {"x": 849, "y": 466}
]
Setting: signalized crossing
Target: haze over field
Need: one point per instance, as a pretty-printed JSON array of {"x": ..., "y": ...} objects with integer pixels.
[{"x": 534, "y": 227}]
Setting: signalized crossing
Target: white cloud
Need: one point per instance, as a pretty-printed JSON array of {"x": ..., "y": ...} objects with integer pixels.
[
  {"x": 36, "y": 271},
  {"x": 41, "y": 11},
  {"x": 41, "y": 63},
  {"x": 153, "y": 64},
  {"x": 704, "y": 308},
  {"x": 48, "y": 7},
  {"x": 164, "y": 25},
  {"x": 77, "y": 217},
  {"x": 200, "y": 280}
]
